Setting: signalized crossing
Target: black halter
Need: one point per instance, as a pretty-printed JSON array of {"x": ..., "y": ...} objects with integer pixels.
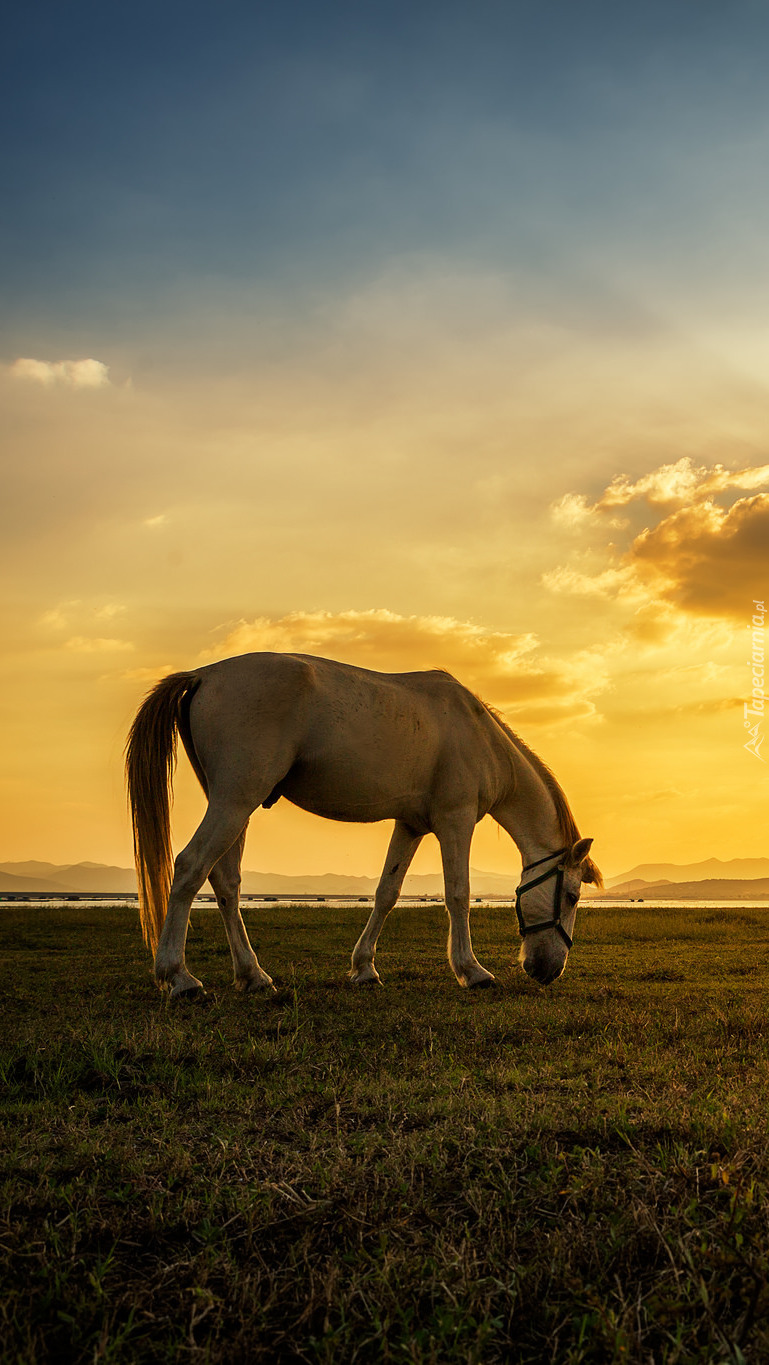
[{"x": 555, "y": 923}]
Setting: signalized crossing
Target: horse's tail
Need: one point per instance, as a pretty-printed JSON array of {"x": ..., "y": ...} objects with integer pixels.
[{"x": 150, "y": 763}]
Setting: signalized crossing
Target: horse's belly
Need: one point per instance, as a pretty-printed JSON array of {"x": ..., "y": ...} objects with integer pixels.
[{"x": 343, "y": 796}]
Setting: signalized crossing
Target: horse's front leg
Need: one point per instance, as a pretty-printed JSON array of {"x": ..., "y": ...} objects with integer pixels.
[
  {"x": 225, "y": 880},
  {"x": 403, "y": 845},
  {"x": 455, "y": 838}
]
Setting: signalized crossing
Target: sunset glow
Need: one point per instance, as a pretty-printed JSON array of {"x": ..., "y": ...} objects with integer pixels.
[{"x": 411, "y": 336}]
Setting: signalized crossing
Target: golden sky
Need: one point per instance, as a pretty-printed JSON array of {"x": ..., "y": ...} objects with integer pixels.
[{"x": 528, "y": 445}]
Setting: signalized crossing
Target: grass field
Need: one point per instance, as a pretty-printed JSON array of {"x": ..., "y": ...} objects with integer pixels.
[{"x": 414, "y": 1173}]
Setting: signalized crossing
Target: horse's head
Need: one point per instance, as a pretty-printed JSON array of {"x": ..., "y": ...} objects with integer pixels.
[{"x": 546, "y": 906}]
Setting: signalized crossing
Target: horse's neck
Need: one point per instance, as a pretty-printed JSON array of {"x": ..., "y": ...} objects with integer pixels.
[{"x": 528, "y": 813}]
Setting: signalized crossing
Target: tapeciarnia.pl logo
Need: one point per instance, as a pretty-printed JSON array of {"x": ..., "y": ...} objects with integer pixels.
[{"x": 753, "y": 711}]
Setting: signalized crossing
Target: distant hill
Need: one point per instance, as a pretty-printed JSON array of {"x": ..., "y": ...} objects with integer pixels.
[
  {"x": 732, "y": 869},
  {"x": 8, "y": 882},
  {"x": 710, "y": 889},
  {"x": 96, "y": 877},
  {"x": 64, "y": 877},
  {"x": 636, "y": 887},
  {"x": 33, "y": 869},
  {"x": 336, "y": 884}
]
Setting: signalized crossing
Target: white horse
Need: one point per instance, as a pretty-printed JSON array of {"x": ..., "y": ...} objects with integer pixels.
[{"x": 349, "y": 744}]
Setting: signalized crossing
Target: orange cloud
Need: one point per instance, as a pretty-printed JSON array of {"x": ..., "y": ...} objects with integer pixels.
[
  {"x": 703, "y": 556},
  {"x": 498, "y": 666},
  {"x": 680, "y": 482},
  {"x": 85, "y": 644},
  {"x": 612, "y": 582},
  {"x": 708, "y": 560}
]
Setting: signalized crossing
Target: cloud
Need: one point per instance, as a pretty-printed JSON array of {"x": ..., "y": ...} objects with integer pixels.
[
  {"x": 83, "y": 617},
  {"x": 498, "y": 666},
  {"x": 669, "y": 483},
  {"x": 706, "y": 707},
  {"x": 573, "y": 509},
  {"x": 145, "y": 674},
  {"x": 74, "y": 374},
  {"x": 83, "y": 644},
  {"x": 75, "y": 612},
  {"x": 708, "y": 560},
  {"x": 682, "y": 482},
  {"x": 608, "y": 583},
  {"x": 59, "y": 617},
  {"x": 704, "y": 553},
  {"x": 384, "y": 638},
  {"x": 658, "y": 623}
]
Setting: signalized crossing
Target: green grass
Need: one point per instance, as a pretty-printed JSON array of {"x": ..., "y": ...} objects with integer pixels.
[{"x": 411, "y": 1174}]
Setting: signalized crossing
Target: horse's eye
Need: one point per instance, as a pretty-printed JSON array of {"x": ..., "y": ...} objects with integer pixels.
[{"x": 571, "y": 898}]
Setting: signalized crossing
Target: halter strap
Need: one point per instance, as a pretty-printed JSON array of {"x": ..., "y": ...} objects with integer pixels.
[
  {"x": 555, "y": 923},
  {"x": 528, "y": 866}
]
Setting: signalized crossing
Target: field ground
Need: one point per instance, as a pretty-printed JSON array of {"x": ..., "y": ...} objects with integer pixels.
[{"x": 407, "y": 1174}]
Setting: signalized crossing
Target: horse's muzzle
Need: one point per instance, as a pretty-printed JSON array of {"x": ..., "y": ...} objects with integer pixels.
[{"x": 543, "y": 970}]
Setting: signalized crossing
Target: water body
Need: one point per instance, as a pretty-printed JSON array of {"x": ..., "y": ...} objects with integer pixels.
[{"x": 592, "y": 906}]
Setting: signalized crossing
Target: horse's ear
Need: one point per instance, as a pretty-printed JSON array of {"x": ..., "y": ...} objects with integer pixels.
[
  {"x": 578, "y": 855},
  {"x": 579, "y": 851}
]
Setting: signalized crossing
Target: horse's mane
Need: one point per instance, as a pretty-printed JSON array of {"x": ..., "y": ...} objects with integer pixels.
[{"x": 567, "y": 825}]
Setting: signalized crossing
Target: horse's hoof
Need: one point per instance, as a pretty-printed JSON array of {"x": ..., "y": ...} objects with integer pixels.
[
  {"x": 483, "y": 984},
  {"x": 187, "y": 995},
  {"x": 256, "y": 987},
  {"x": 373, "y": 980}
]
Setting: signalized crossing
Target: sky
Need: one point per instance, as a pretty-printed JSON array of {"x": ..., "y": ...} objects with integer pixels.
[{"x": 415, "y": 336}]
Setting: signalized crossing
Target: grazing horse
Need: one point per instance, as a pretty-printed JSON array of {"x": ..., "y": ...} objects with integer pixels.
[{"x": 349, "y": 744}]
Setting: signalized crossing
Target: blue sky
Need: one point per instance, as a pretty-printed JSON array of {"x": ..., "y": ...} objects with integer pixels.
[{"x": 151, "y": 148}]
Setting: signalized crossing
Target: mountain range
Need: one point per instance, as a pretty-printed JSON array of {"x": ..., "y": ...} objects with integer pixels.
[
  {"x": 82, "y": 878},
  {"x": 712, "y": 879},
  {"x": 709, "y": 889},
  {"x": 732, "y": 869}
]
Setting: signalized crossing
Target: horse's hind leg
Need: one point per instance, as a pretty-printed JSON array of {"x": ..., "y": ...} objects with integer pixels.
[
  {"x": 219, "y": 829},
  {"x": 225, "y": 879},
  {"x": 403, "y": 845}
]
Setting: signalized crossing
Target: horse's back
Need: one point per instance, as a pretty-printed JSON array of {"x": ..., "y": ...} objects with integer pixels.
[{"x": 289, "y": 684}]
